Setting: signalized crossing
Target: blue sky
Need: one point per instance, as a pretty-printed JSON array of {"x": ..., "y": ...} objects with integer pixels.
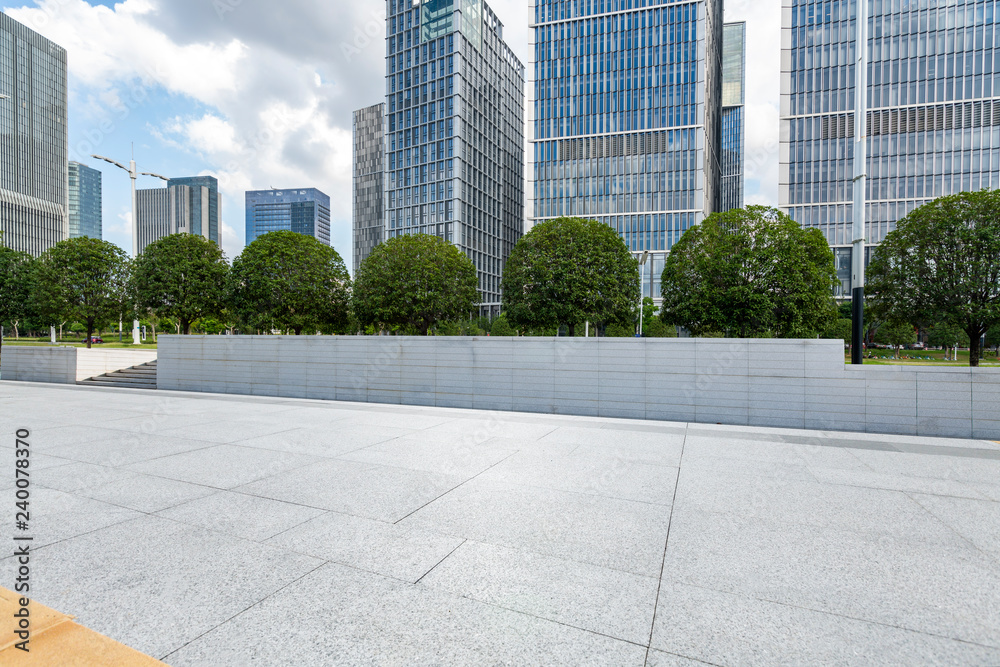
[{"x": 260, "y": 94}]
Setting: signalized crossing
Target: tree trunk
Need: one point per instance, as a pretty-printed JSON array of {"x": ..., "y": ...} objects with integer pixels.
[
  {"x": 572, "y": 330},
  {"x": 90, "y": 331},
  {"x": 154, "y": 333},
  {"x": 974, "y": 350},
  {"x": 185, "y": 327},
  {"x": 297, "y": 330},
  {"x": 16, "y": 337}
]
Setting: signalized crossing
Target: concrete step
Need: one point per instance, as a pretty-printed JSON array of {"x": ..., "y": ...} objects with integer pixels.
[
  {"x": 142, "y": 376},
  {"x": 119, "y": 385}
]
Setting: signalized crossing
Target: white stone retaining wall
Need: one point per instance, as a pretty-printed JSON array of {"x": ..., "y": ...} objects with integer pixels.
[
  {"x": 65, "y": 365},
  {"x": 780, "y": 383}
]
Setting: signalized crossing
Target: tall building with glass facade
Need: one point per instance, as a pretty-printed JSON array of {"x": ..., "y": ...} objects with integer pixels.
[
  {"x": 34, "y": 140},
  {"x": 454, "y": 132},
  {"x": 933, "y": 124},
  {"x": 205, "y": 204},
  {"x": 303, "y": 211},
  {"x": 626, "y": 118},
  {"x": 733, "y": 113},
  {"x": 85, "y": 205},
  {"x": 186, "y": 206},
  {"x": 369, "y": 181}
]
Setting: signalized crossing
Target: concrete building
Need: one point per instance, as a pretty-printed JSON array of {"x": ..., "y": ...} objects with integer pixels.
[
  {"x": 369, "y": 181},
  {"x": 305, "y": 211},
  {"x": 733, "y": 114},
  {"x": 85, "y": 201},
  {"x": 186, "y": 206},
  {"x": 933, "y": 124},
  {"x": 454, "y": 133},
  {"x": 34, "y": 140},
  {"x": 626, "y": 118}
]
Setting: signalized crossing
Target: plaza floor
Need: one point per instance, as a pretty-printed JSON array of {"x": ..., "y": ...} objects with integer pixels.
[{"x": 224, "y": 530}]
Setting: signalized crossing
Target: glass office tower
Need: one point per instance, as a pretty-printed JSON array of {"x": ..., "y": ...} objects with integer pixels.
[
  {"x": 626, "y": 118},
  {"x": 205, "y": 204},
  {"x": 189, "y": 205},
  {"x": 304, "y": 211},
  {"x": 933, "y": 121},
  {"x": 85, "y": 205},
  {"x": 733, "y": 114},
  {"x": 369, "y": 181},
  {"x": 454, "y": 128},
  {"x": 34, "y": 140}
]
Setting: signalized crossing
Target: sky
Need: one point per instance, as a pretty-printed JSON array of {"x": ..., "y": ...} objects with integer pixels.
[{"x": 260, "y": 94}]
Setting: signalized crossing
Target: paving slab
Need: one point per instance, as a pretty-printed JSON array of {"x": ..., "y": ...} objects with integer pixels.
[
  {"x": 610, "y": 602},
  {"x": 239, "y": 515},
  {"x": 349, "y": 617},
  {"x": 388, "y": 549},
  {"x": 726, "y": 629}
]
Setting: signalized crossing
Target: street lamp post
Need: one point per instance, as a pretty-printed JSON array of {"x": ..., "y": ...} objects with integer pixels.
[
  {"x": 135, "y": 219},
  {"x": 642, "y": 286},
  {"x": 860, "y": 169}
]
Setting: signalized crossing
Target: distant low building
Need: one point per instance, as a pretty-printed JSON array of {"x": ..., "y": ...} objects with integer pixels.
[
  {"x": 85, "y": 201},
  {"x": 304, "y": 211},
  {"x": 186, "y": 206}
]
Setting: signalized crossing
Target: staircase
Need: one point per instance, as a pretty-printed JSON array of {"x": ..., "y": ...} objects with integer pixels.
[{"x": 137, "y": 377}]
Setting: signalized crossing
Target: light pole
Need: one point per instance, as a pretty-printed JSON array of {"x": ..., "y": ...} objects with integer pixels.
[
  {"x": 860, "y": 167},
  {"x": 135, "y": 219},
  {"x": 642, "y": 286}
]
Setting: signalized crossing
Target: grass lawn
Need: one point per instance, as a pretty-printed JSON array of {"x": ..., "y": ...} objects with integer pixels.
[
  {"x": 75, "y": 342},
  {"x": 925, "y": 358}
]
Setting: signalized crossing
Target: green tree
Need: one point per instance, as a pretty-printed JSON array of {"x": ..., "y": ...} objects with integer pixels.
[
  {"x": 896, "y": 335},
  {"x": 993, "y": 339},
  {"x": 657, "y": 329},
  {"x": 942, "y": 263},
  {"x": 181, "y": 276},
  {"x": 417, "y": 280},
  {"x": 615, "y": 330},
  {"x": 946, "y": 334},
  {"x": 82, "y": 279},
  {"x": 501, "y": 327},
  {"x": 15, "y": 286},
  {"x": 650, "y": 314},
  {"x": 290, "y": 281},
  {"x": 839, "y": 329},
  {"x": 750, "y": 272},
  {"x": 569, "y": 271}
]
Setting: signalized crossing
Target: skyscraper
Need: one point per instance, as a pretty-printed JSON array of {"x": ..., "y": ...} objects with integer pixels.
[
  {"x": 627, "y": 118},
  {"x": 369, "y": 181},
  {"x": 305, "y": 211},
  {"x": 186, "y": 206},
  {"x": 733, "y": 116},
  {"x": 205, "y": 204},
  {"x": 454, "y": 144},
  {"x": 933, "y": 124},
  {"x": 34, "y": 140},
  {"x": 85, "y": 205}
]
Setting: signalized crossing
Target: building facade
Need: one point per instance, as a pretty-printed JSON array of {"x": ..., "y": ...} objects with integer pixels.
[
  {"x": 304, "y": 211},
  {"x": 85, "y": 201},
  {"x": 369, "y": 181},
  {"x": 626, "y": 118},
  {"x": 186, "y": 206},
  {"x": 933, "y": 123},
  {"x": 454, "y": 133},
  {"x": 205, "y": 205},
  {"x": 34, "y": 140},
  {"x": 733, "y": 113}
]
